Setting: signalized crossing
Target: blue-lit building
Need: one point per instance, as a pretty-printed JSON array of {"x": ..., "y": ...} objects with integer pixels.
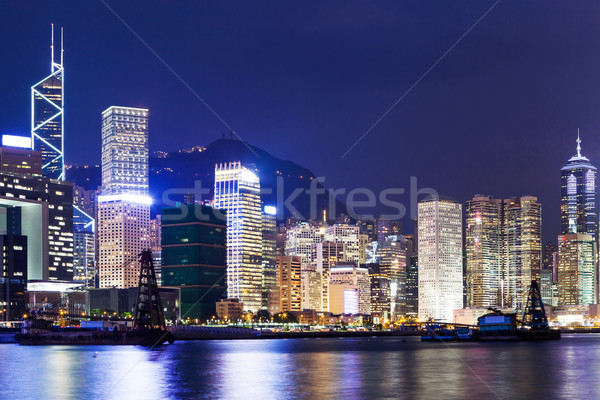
[
  {"x": 578, "y": 195},
  {"x": 47, "y": 118}
]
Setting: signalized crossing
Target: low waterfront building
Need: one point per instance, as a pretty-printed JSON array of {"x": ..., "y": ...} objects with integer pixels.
[
  {"x": 230, "y": 309},
  {"x": 120, "y": 301}
]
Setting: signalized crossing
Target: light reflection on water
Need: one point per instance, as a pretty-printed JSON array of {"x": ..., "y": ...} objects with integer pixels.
[{"x": 306, "y": 369}]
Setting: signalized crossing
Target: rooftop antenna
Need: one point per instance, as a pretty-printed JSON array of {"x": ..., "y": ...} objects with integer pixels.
[
  {"x": 578, "y": 144},
  {"x": 52, "y": 49},
  {"x": 62, "y": 50}
]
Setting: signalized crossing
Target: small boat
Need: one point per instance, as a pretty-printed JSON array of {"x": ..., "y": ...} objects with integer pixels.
[{"x": 466, "y": 333}]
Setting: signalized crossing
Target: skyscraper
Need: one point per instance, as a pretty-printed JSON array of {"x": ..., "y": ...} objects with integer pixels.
[
  {"x": 47, "y": 116},
  {"x": 237, "y": 191},
  {"x": 380, "y": 293},
  {"x": 193, "y": 257},
  {"x": 125, "y": 151},
  {"x": 578, "y": 195},
  {"x": 124, "y": 206},
  {"x": 412, "y": 275},
  {"x": 300, "y": 239},
  {"x": 270, "y": 294},
  {"x": 576, "y": 272},
  {"x": 522, "y": 248},
  {"x": 289, "y": 282},
  {"x": 503, "y": 250},
  {"x": 348, "y": 235},
  {"x": 577, "y": 245},
  {"x": 393, "y": 263},
  {"x": 326, "y": 255},
  {"x": 483, "y": 246},
  {"x": 440, "y": 258}
]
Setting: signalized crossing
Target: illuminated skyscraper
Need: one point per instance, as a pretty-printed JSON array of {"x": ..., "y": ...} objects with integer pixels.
[
  {"x": 348, "y": 235},
  {"x": 577, "y": 276},
  {"x": 522, "y": 248},
  {"x": 270, "y": 294},
  {"x": 125, "y": 151},
  {"x": 440, "y": 259},
  {"x": 576, "y": 273},
  {"x": 47, "y": 117},
  {"x": 412, "y": 275},
  {"x": 325, "y": 255},
  {"x": 503, "y": 250},
  {"x": 237, "y": 191},
  {"x": 578, "y": 195},
  {"x": 483, "y": 245},
  {"x": 124, "y": 206},
  {"x": 393, "y": 263},
  {"x": 380, "y": 293},
  {"x": 289, "y": 282},
  {"x": 300, "y": 239}
]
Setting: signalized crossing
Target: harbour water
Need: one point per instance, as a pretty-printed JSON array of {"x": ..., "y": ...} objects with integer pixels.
[{"x": 344, "y": 368}]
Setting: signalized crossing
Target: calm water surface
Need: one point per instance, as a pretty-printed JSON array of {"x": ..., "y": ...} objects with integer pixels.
[{"x": 382, "y": 368}]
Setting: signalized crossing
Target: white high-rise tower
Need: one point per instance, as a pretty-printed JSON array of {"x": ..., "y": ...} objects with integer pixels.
[
  {"x": 440, "y": 259},
  {"x": 237, "y": 191},
  {"x": 124, "y": 206}
]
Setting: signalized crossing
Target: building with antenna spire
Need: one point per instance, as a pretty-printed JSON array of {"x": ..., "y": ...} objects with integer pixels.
[
  {"x": 577, "y": 244},
  {"x": 48, "y": 117},
  {"x": 578, "y": 195}
]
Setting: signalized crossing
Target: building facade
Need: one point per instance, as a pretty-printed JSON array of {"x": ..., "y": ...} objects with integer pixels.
[
  {"x": 193, "y": 249},
  {"x": 48, "y": 117},
  {"x": 123, "y": 208},
  {"x": 502, "y": 250},
  {"x": 13, "y": 279},
  {"x": 42, "y": 210},
  {"x": 485, "y": 276},
  {"x": 349, "y": 290},
  {"x": 576, "y": 271},
  {"x": 289, "y": 282},
  {"x": 125, "y": 151},
  {"x": 237, "y": 191},
  {"x": 270, "y": 293},
  {"x": 440, "y": 259},
  {"x": 578, "y": 195}
]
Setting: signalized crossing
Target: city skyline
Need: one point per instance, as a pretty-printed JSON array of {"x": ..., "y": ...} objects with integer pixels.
[{"x": 546, "y": 127}]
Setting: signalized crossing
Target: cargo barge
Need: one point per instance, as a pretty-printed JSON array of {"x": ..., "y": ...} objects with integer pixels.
[
  {"x": 148, "y": 329},
  {"x": 499, "y": 326}
]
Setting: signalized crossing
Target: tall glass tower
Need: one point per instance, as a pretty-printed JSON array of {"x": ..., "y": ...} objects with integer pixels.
[
  {"x": 577, "y": 270},
  {"x": 125, "y": 150},
  {"x": 578, "y": 195},
  {"x": 47, "y": 116},
  {"x": 237, "y": 191},
  {"x": 440, "y": 259}
]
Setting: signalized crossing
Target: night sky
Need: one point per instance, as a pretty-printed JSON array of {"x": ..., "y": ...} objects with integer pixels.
[{"x": 498, "y": 115}]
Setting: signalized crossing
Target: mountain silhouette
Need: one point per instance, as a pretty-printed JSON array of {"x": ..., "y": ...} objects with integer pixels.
[{"x": 175, "y": 174}]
